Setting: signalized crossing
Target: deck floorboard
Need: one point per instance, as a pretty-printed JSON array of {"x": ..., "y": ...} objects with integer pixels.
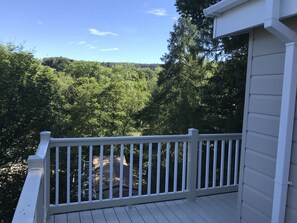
[
  {"x": 134, "y": 214},
  {"x": 209, "y": 209},
  {"x": 98, "y": 216}
]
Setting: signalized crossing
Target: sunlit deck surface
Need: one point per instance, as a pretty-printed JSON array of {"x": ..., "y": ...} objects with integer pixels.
[{"x": 214, "y": 208}]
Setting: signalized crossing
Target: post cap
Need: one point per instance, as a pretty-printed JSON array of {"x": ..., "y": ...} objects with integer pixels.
[
  {"x": 45, "y": 135},
  {"x": 193, "y": 131}
]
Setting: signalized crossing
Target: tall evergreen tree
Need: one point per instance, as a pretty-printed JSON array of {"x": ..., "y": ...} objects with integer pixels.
[
  {"x": 216, "y": 49},
  {"x": 223, "y": 96},
  {"x": 202, "y": 84},
  {"x": 176, "y": 104}
]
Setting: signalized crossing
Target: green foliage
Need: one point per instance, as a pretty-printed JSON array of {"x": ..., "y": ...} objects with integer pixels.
[
  {"x": 227, "y": 48},
  {"x": 102, "y": 101},
  {"x": 69, "y": 98},
  {"x": 202, "y": 82},
  {"x": 176, "y": 104},
  {"x": 223, "y": 97},
  {"x": 57, "y": 63},
  {"x": 27, "y": 96},
  {"x": 27, "y": 93}
]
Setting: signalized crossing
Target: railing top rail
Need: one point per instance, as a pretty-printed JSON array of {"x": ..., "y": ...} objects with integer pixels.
[
  {"x": 117, "y": 140},
  {"x": 137, "y": 139},
  {"x": 224, "y": 136}
]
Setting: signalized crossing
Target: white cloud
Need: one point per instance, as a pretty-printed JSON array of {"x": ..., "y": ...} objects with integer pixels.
[
  {"x": 81, "y": 42},
  {"x": 90, "y": 46},
  {"x": 175, "y": 18},
  {"x": 109, "y": 49},
  {"x": 158, "y": 12},
  {"x": 98, "y": 33}
]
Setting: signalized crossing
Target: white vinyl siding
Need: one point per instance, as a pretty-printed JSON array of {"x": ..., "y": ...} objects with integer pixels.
[
  {"x": 265, "y": 77},
  {"x": 291, "y": 212},
  {"x": 262, "y": 126}
]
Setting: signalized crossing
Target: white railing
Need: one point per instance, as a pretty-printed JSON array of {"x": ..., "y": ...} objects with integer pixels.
[
  {"x": 214, "y": 174},
  {"x": 88, "y": 173}
]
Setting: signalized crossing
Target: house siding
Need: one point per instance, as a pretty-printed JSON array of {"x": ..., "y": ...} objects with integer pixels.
[
  {"x": 291, "y": 211},
  {"x": 262, "y": 113},
  {"x": 261, "y": 128}
]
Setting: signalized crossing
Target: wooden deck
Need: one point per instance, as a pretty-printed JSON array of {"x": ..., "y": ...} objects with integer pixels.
[{"x": 215, "y": 208}]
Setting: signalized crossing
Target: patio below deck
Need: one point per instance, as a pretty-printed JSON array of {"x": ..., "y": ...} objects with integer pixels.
[{"x": 214, "y": 208}]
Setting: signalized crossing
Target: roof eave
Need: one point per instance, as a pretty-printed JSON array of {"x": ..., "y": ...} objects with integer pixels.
[{"x": 221, "y": 7}]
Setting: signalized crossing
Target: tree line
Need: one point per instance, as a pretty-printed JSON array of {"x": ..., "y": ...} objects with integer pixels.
[{"x": 200, "y": 84}]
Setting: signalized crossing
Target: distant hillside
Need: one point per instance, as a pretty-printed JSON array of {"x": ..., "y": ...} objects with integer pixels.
[
  {"x": 139, "y": 65},
  {"x": 60, "y": 63}
]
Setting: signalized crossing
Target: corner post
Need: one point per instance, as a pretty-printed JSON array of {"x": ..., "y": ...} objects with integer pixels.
[
  {"x": 192, "y": 163},
  {"x": 35, "y": 163},
  {"x": 44, "y": 140}
]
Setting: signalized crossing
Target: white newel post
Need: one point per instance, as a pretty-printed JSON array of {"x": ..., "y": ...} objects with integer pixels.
[
  {"x": 44, "y": 140},
  {"x": 192, "y": 163},
  {"x": 35, "y": 164}
]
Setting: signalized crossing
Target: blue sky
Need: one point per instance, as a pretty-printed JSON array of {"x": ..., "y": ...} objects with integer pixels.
[{"x": 100, "y": 30}]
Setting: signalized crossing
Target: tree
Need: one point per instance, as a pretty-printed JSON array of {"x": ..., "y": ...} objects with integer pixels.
[
  {"x": 203, "y": 79},
  {"x": 176, "y": 104},
  {"x": 223, "y": 97},
  {"x": 57, "y": 63},
  {"x": 28, "y": 94},
  {"x": 216, "y": 49},
  {"x": 87, "y": 69},
  {"x": 102, "y": 101}
]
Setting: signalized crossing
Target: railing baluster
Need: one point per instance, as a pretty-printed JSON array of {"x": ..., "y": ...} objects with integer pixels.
[
  {"x": 207, "y": 164},
  {"x": 236, "y": 162},
  {"x": 167, "y": 167},
  {"x": 214, "y": 169},
  {"x": 121, "y": 170},
  {"x": 79, "y": 174},
  {"x": 229, "y": 162},
  {"x": 111, "y": 171},
  {"x": 101, "y": 173},
  {"x": 90, "y": 172},
  {"x": 199, "y": 164},
  {"x": 222, "y": 163},
  {"x": 140, "y": 170},
  {"x": 149, "y": 170},
  {"x": 158, "y": 168},
  {"x": 175, "y": 166},
  {"x": 131, "y": 170},
  {"x": 57, "y": 175},
  {"x": 68, "y": 174},
  {"x": 184, "y": 166}
]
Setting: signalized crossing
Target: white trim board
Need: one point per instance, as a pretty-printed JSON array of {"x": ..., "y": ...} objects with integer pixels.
[{"x": 248, "y": 15}]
